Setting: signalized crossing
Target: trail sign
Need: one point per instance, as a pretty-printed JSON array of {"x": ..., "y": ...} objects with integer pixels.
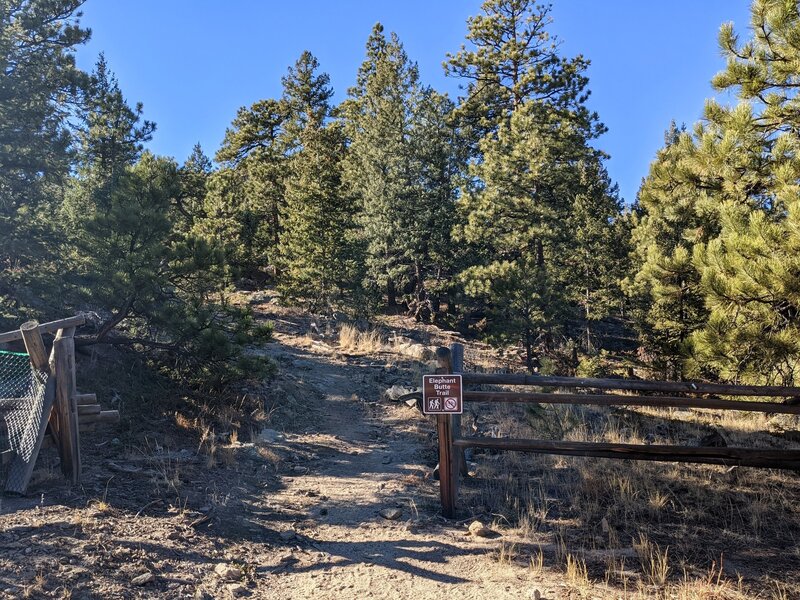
[{"x": 442, "y": 395}]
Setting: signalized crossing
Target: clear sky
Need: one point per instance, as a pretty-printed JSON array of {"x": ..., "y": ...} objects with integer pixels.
[{"x": 193, "y": 63}]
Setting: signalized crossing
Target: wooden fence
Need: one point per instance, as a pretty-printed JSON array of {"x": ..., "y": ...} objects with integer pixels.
[
  {"x": 68, "y": 412},
  {"x": 660, "y": 394}
]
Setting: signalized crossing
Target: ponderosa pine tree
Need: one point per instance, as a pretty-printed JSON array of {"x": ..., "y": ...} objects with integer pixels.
[
  {"x": 667, "y": 302},
  {"x": 530, "y": 128},
  {"x": 244, "y": 197},
  {"x": 40, "y": 87},
  {"x": 318, "y": 262},
  {"x": 749, "y": 271},
  {"x": 595, "y": 251},
  {"x": 376, "y": 118},
  {"x": 129, "y": 256},
  {"x": 401, "y": 164},
  {"x": 436, "y": 165},
  {"x": 194, "y": 176}
]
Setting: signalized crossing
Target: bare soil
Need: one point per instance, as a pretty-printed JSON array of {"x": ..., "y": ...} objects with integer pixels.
[{"x": 299, "y": 510}]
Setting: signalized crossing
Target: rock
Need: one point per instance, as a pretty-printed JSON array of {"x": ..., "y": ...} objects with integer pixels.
[
  {"x": 268, "y": 436},
  {"x": 394, "y": 393},
  {"x": 391, "y": 514},
  {"x": 237, "y": 590},
  {"x": 287, "y": 535},
  {"x": 228, "y": 572},
  {"x": 478, "y": 529},
  {"x": 143, "y": 579}
]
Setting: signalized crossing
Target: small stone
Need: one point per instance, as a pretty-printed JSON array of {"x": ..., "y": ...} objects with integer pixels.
[
  {"x": 228, "y": 572},
  {"x": 143, "y": 579},
  {"x": 391, "y": 514},
  {"x": 237, "y": 589},
  {"x": 478, "y": 529},
  {"x": 287, "y": 535}
]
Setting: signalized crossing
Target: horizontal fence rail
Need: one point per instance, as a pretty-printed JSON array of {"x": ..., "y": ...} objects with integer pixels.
[
  {"x": 746, "y": 457},
  {"x": 658, "y": 394},
  {"x": 51, "y": 327},
  {"x": 641, "y": 385},
  {"x": 620, "y": 400}
]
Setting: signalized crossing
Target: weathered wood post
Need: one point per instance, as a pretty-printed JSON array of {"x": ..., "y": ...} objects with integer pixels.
[
  {"x": 66, "y": 407},
  {"x": 34, "y": 345},
  {"x": 448, "y": 469},
  {"x": 457, "y": 359}
]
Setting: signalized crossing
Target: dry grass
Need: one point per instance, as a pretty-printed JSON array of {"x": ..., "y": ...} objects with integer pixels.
[
  {"x": 577, "y": 574},
  {"x": 536, "y": 564},
  {"x": 654, "y": 562},
  {"x": 651, "y": 529},
  {"x": 354, "y": 341}
]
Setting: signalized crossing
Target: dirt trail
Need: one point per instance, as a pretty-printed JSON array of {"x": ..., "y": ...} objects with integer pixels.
[
  {"x": 299, "y": 513},
  {"x": 370, "y": 459}
]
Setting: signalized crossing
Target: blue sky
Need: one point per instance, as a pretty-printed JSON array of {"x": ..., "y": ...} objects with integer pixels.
[{"x": 193, "y": 63}]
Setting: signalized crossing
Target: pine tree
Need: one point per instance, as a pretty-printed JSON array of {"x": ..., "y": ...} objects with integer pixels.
[
  {"x": 377, "y": 121},
  {"x": 402, "y": 163},
  {"x": 665, "y": 288},
  {"x": 194, "y": 176},
  {"x": 595, "y": 251},
  {"x": 40, "y": 87},
  {"x": 245, "y": 197},
  {"x": 749, "y": 271},
  {"x": 436, "y": 165},
  {"x": 525, "y": 110},
  {"x": 317, "y": 241},
  {"x": 750, "y": 276}
]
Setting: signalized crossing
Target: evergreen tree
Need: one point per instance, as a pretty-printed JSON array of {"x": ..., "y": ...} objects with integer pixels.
[
  {"x": 40, "y": 87},
  {"x": 129, "y": 254},
  {"x": 668, "y": 304},
  {"x": 595, "y": 250},
  {"x": 401, "y": 164},
  {"x": 317, "y": 242},
  {"x": 194, "y": 176},
  {"x": 377, "y": 122},
  {"x": 749, "y": 271},
  {"x": 436, "y": 165},
  {"x": 750, "y": 276},
  {"x": 525, "y": 107},
  {"x": 245, "y": 197}
]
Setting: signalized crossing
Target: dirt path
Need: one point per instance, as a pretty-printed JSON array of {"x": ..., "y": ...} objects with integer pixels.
[
  {"x": 370, "y": 458},
  {"x": 298, "y": 512}
]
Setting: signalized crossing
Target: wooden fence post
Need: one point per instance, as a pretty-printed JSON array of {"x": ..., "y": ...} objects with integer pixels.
[
  {"x": 457, "y": 360},
  {"x": 34, "y": 345},
  {"x": 448, "y": 468},
  {"x": 65, "y": 408}
]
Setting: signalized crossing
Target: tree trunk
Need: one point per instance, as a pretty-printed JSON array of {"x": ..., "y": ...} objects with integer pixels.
[
  {"x": 529, "y": 350},
  {"x": 391, "y": 293}
]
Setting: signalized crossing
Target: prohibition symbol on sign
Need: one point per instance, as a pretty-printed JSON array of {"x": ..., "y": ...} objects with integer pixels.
[{"x": 442, "y": 395}]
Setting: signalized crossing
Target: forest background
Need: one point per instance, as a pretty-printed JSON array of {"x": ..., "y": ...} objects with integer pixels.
[{"x": 491, "y": 212}]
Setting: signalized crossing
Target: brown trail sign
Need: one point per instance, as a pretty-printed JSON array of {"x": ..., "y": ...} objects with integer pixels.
[{"x": 442, "y": 395}]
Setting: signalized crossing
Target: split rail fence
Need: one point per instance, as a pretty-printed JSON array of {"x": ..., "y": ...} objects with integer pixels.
[
  {"x": 662, "y": 394},
  {"x": 62, "y": 411}
]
